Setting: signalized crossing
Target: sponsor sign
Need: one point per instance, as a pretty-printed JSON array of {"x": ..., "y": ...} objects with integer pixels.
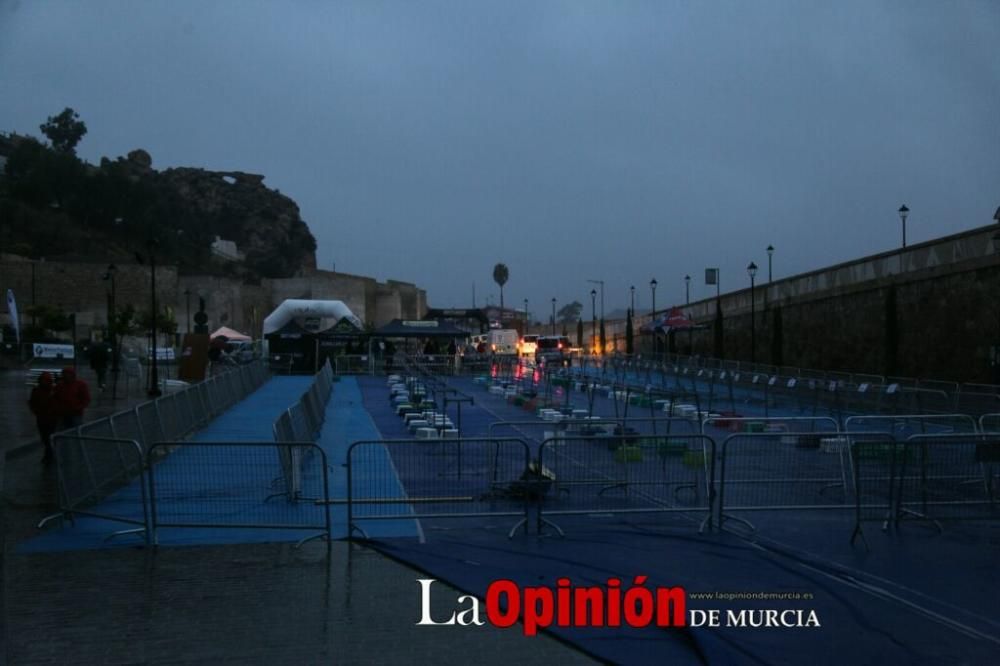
[{"x": 43, "y": 350}]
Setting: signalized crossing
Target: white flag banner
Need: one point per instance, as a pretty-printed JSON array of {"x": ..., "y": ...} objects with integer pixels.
[{"x": 12, "y": 309}]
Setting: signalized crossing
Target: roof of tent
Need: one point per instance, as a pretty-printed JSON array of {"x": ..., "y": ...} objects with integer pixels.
[
  {"x": 290, "y": 330},
  {"x": 673, "y": 320},
  {"x": 295, "y": 307},
  {"x": 342, "y": 330},
  {"x": 231, "y": 335},
  {"x": 400, "y": 328}
]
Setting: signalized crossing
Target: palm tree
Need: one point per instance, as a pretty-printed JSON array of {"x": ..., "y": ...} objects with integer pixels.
[{"x": 500, "y": 275}]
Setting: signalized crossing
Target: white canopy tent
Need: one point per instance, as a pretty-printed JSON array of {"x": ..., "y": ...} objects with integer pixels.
[
  {"x": 231, "y": 335},
  {"x": 294, "y": 308}
]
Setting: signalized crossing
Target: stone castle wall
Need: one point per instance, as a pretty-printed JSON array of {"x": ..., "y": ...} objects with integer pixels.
[{"x": 79, "y": 288}]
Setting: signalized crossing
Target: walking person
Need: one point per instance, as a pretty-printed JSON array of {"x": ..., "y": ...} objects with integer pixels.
[
  {"x": 72, "y": 396},
  {"x": 99, "y": 363},
  {"x": 42, "y": 405}
]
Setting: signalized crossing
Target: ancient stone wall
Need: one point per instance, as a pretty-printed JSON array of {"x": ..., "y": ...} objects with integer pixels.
[
  {"x": 79, "y": 288},
  {"x": 931, "y": 311}
]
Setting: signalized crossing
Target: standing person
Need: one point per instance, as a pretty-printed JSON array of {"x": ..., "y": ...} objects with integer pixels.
[
  {"x": 42, "y": 405},
  {"x": 390, "y": 356},
  {"x": 72, "y": 396},
  {"x": 99, "y": 362}
]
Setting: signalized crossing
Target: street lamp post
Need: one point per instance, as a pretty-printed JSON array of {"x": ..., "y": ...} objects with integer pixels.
[
  {"x": 526, "y": 315},
  {"x": 187, "y": 298},
  {"x": 154, "y": 375},
  {"x": 553, "y": 315},
  {"x": 652, "y": 314},
  {"x": 903, "y": 212},
  {"x": 752, "y": 271},
  {"x": 996, "y": 345},
  {"x": 600, "y": 282},
  {"x": 687, "y": 290},
  {"x": 593, "y": 310},
  {"x": 109, "y": 275},
  {"x": 631, "y": 291},
  {"x": 770, "y": 252}
]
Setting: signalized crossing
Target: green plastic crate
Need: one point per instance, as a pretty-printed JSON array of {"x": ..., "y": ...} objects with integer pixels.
[{"x": 627, "y": 454}]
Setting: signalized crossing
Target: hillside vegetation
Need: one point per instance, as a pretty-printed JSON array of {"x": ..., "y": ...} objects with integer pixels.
[{"x": 54, "y": 205}]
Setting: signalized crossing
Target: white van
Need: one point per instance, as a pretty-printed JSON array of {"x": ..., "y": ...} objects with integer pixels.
[{"x": 503, "y": 341}]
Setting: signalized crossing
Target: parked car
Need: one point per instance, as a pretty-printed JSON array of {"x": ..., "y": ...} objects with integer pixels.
[{"x": 552, "y": 349}]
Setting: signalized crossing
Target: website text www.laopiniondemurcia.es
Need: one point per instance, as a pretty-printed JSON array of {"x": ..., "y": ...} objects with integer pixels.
[{"x": 539, "y": 607}]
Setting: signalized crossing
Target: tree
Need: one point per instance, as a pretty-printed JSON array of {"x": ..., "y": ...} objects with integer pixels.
[
  {"x": 570, "y": 312},
  {"x": 64, "y": 131},
  {"x": 500, "y": 275}
]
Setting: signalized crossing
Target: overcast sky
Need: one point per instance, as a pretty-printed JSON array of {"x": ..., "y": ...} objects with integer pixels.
[{"x": 616, "y": 141}]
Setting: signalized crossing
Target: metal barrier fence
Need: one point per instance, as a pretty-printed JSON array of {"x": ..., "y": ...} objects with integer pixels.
[
  {"x": 927, "y": 477},
  {"x": 626, "y": 474},
  {"x": 302, "y": 422},
  {"x": 989, "y": 423},
  {"x": 409, "y": 480},
  {"x": 783, "y": 471},
  {"x": 905, "y": 425},
  {"x": 103, "y": 477},
  {"x": 949, "y": 477},
  {"x": 354, "y": 364},
  {"x": 551, "y": 427},
  {"x": 230, "y": 485},
  {"x": 87, "y": 463},
  {"x": 853, "y": 391},
  {"x": 799, "y": 427},
  {"x": 876, "y": 458}
]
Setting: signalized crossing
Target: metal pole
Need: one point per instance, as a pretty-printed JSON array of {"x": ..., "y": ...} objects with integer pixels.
[
  {"x": 631, "y": 291},
  {"x": 753, "y": 324},
  {"x": 112, "y": 329},
  {"x": 652, "y": 316},
  {"x": 553, "y": 316},
  {"x": 687, "y": 290},
  {"x": 33, "y": 303},
  {"x": 593, "y": 311},
  {"x": 154, "y": 375}
]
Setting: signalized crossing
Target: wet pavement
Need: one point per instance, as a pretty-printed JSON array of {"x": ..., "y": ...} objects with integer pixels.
[{"x": 248, "y": 604}]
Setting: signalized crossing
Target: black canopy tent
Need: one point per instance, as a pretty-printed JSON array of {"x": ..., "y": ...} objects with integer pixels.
[
  {"x": 334, "y": 340},
  {"x": 292, "y": 347},
  {"x": 461, "y": 315},
  {"x": 401, "y": 328}
]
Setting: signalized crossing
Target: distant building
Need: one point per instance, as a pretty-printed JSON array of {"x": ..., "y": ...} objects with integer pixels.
[{"x": 226, "y": 249}]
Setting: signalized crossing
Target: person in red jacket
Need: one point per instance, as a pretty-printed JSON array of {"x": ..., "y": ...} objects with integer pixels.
[
  {"x": 42, "y": 405},
  {"x": 72, "y": 396}
]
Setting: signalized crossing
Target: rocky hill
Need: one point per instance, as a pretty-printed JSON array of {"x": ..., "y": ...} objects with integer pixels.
[{"x": 54, "y": 205}]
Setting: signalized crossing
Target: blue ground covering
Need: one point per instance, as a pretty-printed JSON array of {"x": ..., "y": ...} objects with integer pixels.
[
  {"x": 249, "y": 420},
  {"x": 914, "y": 597}
]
